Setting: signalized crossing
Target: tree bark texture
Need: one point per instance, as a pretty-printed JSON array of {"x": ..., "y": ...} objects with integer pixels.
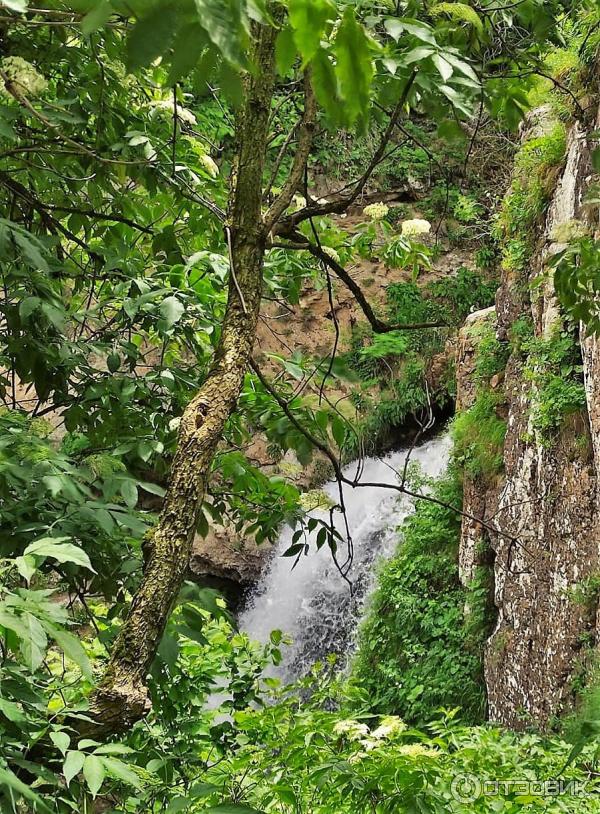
[{"x": 122, "y": 697}]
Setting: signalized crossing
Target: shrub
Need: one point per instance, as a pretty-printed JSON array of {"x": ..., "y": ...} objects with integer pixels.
[
  {"x": 492, "y": 355},
  {"x": 555, "y": 369},
  {"x": 528, "y": 196},
  {"x": 478, "y": 435},
  {"x": 467, "y": 209}
]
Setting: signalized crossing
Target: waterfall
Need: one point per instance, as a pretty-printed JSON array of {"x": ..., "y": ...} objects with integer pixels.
[{"x": 312, "y": 603}]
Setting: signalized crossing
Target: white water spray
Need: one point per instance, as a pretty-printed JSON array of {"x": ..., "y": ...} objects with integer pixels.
[{"x": 312, "y": 603}]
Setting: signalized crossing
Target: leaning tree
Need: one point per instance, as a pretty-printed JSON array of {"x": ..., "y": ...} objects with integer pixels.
[{"x": 108, "y": 174}]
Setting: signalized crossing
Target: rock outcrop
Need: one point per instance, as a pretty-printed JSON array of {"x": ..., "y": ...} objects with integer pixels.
[{"x": 542, "y": 515}]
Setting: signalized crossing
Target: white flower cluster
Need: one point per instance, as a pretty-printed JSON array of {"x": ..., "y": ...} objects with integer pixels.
[
  {"x": 353, "y": 730},
  {"x": 331, "y": 252},
  {"x": 388, "y": 726},
  {"x": 209, "y": 165},
  {"x": 418, "y": 750},
  {"x": 183, "y": 114},
  {"x": 315, "y": 499},
  {"x": 568, "y": 231},
  {"x": 416, "y": 226},
  {"x": 299, "y": 202},
  {"x": 22, "y": 73},
  {"x": 376, "y": 211}
]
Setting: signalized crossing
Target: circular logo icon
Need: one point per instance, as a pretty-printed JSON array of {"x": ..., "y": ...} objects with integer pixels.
[{"x": 466, "y": 788}]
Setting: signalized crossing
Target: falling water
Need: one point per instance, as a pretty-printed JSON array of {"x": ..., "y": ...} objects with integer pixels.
[{"x": 312, "y": 603}]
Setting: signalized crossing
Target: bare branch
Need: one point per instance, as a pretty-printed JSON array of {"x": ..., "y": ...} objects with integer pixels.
[
  {"x": 338, "y": 206},
  {"x": 305, "y": 137},
  {"x": 378, "y": 325},
  {"x": 397, "y": 487}
]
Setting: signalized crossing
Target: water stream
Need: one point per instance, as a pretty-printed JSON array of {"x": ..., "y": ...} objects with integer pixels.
[{"x": 312, "y": 603}]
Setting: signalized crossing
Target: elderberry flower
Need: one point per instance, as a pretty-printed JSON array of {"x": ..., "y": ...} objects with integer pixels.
[
  {"x": 353, "y": 730},
  {"x": 209, "y": 165},
  {"x": 167, "y": 105},
  {"x": 415, "y": 226},
  {"x": 315, "y": 499},
  {"x": 376, "y": 211},
  {"x": 388, "y": 726},
  {"x": 418, "y": 750}
]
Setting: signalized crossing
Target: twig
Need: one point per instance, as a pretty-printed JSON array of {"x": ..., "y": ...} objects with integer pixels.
[
  {"x": 289, "y": 223},
  {"x": 378, "y": 325},
  {"x": 402, "y": 489},
  {"x": 232, "y": 271}
]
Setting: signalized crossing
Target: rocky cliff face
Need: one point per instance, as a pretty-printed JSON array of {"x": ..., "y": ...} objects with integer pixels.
[{"x": 541, "y": 513}]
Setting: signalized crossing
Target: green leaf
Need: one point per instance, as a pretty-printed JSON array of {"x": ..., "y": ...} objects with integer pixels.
[
  {"x": 258, "y": 10},
  {"x": 12, "y": 782},
  {"x": 326, "y": 87},
  {"x": 152, "y": 488},
  {"x": 150, "y": 37},
  {"x": 72, "y": 648},
  {"x": 121, "y": 771},
  {"x": 463, "y": 67},
  {"x": 33, "y": 645},
  {"x": 225, "y": 25},
  {"x": 309, "y": 19},
  {"x": 86, "y": 743},
  {"x": 338, "y": 429},
  {"x": 446, "y": 70},
  {"x": 26, "y": 566},
  {"x": 61, "y": 740},
  {"x": 113, "y": 362},
  {"x": 285, "y": 51},
  {"x": 418, "y": 54},
  {"x": 171, "y": 310},
  {"x": 232, "y": 808},
  {"x": 28, "y": 305},
  {"x": 396, "y": 28},
  {"x": 96, "y": 18},
  {"x": 31, "y": 248},
  {"x": 187, "y": 48},
  {"x": 130, "y": 493},
  {"x": 354, "y": 68},
  {"x": 94, "y": 773},
  {"x": 113, "y": 749},
  {"x": 11, "y": 710},
  {"x": 73, "y": 765},
  {"x": 11, "y": 621},
  {"x": 60, "y": 551}
]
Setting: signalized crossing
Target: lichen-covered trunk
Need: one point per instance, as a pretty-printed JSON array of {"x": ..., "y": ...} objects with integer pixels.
[{"x": 122, "y": 697}]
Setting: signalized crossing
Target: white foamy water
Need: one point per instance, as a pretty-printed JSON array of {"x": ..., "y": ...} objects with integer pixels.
[{"x": 312, "y": 603}]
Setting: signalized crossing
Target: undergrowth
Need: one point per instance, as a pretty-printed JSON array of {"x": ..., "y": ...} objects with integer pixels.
[
  {"x": 528, "y": 196},
  {"x": 418, "y": 651},
  {"x": 398, "y": 364},
  {"x": 555, "y": 371}
]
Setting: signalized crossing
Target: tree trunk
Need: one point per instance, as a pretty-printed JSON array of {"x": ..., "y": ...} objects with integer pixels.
[{"x": 122, "y": 696}]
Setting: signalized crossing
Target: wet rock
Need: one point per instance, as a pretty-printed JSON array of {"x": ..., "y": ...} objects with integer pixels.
[{"x": 544, "y": 511}]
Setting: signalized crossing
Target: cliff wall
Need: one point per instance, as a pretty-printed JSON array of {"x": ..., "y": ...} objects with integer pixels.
[{"x": 541, "y": 531}]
